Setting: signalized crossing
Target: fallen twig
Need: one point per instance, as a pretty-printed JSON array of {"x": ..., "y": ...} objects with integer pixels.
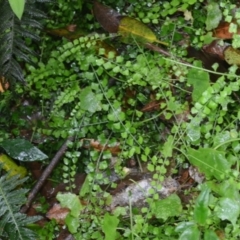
[{"x": 48, "y": 170}]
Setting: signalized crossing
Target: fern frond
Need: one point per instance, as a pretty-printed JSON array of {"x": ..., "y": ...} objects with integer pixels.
[
  {"x": 13, "y": 223},
  {"x": 13, "y": 35}
]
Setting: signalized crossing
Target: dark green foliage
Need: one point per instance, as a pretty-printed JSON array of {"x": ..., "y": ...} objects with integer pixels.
[
  {"x": 13, "y": 37},
  {"x": 13, "y": 223}
]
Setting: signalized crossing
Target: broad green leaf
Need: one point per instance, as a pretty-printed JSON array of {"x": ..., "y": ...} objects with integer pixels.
[
  {"x": 109, "y": 226},
  {"x": 22, "y": 150},
  {"x": 201, "y": 210},
  {"x": 70, "y": 201},
  {"x": 209, "y": 161},
  {"x": 168, "y": 207},
  {"x": 17, "y": 7},
  {"x": 214, "y": 15},
  {"x": 228, "y": 209},
  {"x": 133, "y": 30},
  {"x": 182, "y": 226},
  {"x": 191, "y": 233},
  {"x": 225, "y": 189},
  {"x": 72, "y": 223},
  {"x": 200, "y": 81},
  {"x": 210, "y": 235},
  {"x": 221, "y": 137},
  {"x": 89, "y": 100},
  {"x": 11, "y": 167}
]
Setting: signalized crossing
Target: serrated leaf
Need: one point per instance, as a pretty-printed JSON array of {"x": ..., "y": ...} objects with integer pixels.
[
  {"x": 22, "y": 150},
  {"x": 209, "y": 161},
  {"x": 89, "y": 100},
  {"x": 201, "y": 210},
  {"x": 133, "y": 30},
  {"x": 200, "y": 81},
  {"x": 109, "y": 226},
  {"x": 214, "y": 15},
  {"x": 17, "y": 7},
  {"x": 228, "y": 209},
  {"x": 168, "y": 207}
]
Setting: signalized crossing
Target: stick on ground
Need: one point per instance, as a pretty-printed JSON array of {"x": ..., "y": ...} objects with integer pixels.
[{"x": 48, "y": 170}]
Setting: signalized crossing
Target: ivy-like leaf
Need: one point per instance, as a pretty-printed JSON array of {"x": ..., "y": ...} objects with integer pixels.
[
  {"x": 109, "y": 226},
  {"x": 168, "y": 207}
]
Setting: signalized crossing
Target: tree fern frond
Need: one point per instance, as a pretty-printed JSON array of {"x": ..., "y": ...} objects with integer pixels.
[
  {"x": 33, "y": 12},
  {"x": 32, "y": 23},
  {"x": 27, "y": 34},
  {"x": 13, "y": 33},
  {"x": 13, "y": 223}
]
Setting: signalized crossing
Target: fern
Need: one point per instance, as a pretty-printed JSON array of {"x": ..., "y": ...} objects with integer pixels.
[
  {"x": 13, "y": 223},
  {"x": 13, "y": 35}
]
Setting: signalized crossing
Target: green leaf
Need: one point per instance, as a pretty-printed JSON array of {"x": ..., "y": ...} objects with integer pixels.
[
  {"x": 22, "y": 150},
  {"x": 201, "y": 210},
  {"x": 209, "y": 161},
  {"x": 168, "y": 207},
  {"x": 89, "y": 100},
  {"x": 228, "y": 209},
  {"x": 214, "y": 15},
  {"x": 210, "y": 235},
  {"x": 190, "y": 234},
  {"x": 70, "y": 201},
  {"x": 17, "y": 7},
  {"x": 225, "y": 189},
  {"x": 200, "y": 81},
  {"x": 109, "y": 226}
]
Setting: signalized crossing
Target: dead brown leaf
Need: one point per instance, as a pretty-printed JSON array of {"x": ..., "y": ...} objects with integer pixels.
[
  {"x": 107, "y": 17},
  {"x": 222, "y": 31},
  {"x": 58, "y": 213}
]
